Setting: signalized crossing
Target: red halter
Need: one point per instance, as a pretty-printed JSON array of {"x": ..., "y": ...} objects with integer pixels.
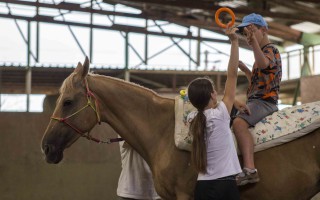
[{"x": 95, "y": 107}]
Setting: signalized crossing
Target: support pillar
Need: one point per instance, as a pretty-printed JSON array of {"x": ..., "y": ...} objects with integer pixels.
[
  {"x": 199, "y": 48},
  {"x": 28, "y": 69}
]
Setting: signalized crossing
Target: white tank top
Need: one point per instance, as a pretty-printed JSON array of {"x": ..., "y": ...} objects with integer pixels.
[
  {"x": 135, "y": 181},
  {"x": 222, "y": 159}
]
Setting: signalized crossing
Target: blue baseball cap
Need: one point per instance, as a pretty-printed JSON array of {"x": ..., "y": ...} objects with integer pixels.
[{"x": 253, "y": 18}]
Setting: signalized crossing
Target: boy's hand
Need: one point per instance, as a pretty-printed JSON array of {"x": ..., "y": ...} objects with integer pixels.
[{"x": 249, "y": 32}]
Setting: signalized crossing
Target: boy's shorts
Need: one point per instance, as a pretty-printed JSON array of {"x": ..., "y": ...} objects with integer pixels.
[{"x": 259, "y": 109}]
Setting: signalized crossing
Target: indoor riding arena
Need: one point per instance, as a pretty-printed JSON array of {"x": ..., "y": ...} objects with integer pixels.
[{"x": 81, "y": 79}]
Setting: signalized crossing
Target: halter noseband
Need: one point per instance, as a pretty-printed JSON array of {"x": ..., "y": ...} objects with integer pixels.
[{"x": 95, "y": 107}]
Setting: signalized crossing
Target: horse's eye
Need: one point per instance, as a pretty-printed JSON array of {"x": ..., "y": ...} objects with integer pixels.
[{"x": 67, "y": 103}]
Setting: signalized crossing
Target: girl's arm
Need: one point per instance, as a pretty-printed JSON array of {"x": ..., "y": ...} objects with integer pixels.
[{"x": 232, "y": 74}]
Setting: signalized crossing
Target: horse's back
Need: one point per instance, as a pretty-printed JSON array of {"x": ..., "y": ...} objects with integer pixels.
[{"x": 289, "y": 171}]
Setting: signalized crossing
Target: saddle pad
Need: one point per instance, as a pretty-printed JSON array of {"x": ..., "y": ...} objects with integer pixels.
[{"x": 280, "y": 127}]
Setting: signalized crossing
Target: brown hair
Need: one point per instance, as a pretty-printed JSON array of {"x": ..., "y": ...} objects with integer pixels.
[{"x": 199, "y": 93}]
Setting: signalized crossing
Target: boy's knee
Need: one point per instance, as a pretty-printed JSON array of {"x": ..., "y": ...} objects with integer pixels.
[{"x": 239, "y": 123}]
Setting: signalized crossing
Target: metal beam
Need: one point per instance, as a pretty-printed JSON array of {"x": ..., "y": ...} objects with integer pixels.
[
  {"x": 146, "y": 46},
  {"x": 240, "y": 10},
  {"x": 294, "y": 1},
  {"x": 122, "y": 34},
  {"x": 91, "y": 32},
  {"x": 28, "y": 68},
  {"x": 152, "y": 15},
  {"x": 157, "y": 53},
  {"x": 124, "y": 28},
  {"x": 20, "y": 31},
  {"x": 73, "y": 7},
  {"x": 72, "y": 33},
  {"x": 296, "y": 6},
  {"x": 126, "y": 52},
  {"x": 183, "y": 51}
]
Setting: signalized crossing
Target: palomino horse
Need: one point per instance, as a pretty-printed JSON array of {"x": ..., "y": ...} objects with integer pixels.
[{"x": 146, "y": 121}]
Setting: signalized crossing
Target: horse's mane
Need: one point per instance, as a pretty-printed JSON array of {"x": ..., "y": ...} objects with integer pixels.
[
  {"x": 121, "y": 81},
  {"x": 66, "y": 86}
]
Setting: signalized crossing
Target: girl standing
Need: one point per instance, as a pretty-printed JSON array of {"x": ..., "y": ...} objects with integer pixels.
[{"x": 213, "y": 151}]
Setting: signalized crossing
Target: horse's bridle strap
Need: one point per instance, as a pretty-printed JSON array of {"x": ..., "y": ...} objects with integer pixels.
[{"x": 95, "y": 108}]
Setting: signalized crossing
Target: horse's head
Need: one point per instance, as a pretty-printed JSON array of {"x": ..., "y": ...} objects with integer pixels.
[{"x": 75, "y": 114}]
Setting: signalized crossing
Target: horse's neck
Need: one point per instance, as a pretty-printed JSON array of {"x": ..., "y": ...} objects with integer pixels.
[{"x": 141, "y": 117}]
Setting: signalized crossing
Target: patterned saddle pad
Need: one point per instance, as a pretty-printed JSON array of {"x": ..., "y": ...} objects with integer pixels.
[{"x": 280, "y": 127}]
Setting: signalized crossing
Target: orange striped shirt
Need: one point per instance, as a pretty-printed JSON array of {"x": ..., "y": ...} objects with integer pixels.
[{"x": 265, "y": 83}]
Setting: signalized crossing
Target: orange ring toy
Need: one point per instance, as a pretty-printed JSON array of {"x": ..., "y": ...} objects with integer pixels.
[{"x": 228, "y": 10}]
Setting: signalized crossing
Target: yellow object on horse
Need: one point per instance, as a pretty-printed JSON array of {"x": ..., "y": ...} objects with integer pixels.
[{"x": 183, "y": 93}]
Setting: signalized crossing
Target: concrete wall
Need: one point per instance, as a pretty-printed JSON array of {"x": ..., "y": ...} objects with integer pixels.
[
  {"x": 89, "y": 171},
  {"x": 310, "y": 89}
]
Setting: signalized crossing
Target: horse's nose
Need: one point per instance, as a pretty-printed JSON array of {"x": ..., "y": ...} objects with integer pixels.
[{"x": 47, "y": 148}]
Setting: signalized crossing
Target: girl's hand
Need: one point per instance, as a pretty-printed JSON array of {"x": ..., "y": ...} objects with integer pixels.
[
  {"x": 231, "y": 33},
  {"x": 242, "y": 107}
]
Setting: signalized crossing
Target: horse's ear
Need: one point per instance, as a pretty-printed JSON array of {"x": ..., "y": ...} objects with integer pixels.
[
  {"x": 78, "y": 69},
  {"x": 79, "y": 66},
  {"x": 82, "y": 70},
  {"x": 86, "y": 66}
]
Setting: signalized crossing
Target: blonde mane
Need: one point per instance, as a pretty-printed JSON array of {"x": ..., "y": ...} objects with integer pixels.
[
  {"x": 67, "y": 84},
  {"x": 121, "y": 81}
]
